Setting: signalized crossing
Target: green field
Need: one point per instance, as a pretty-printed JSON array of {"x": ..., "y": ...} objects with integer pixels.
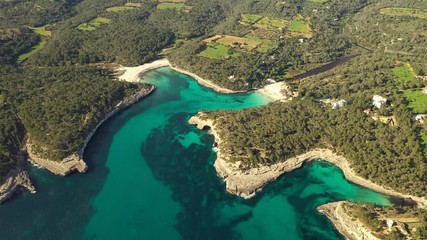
[
  {"x": 271, "y": 23},
  {"x": 404, "y": 73},
  {"x": 130, "y": 4},
  {"x": 42, "y": 31},
  {"x": 93, "y": 24},
  {"x": 319, "y": 1},
  {"x": 408, "y": 12},
  {"x": 218, "y": 51},
  {"x": 248, "y": 43},
  {"x": 119, "y": 9},
  {"x": 33, "y": 51},
  {"x": 170, "y": 5},
  {"x": 417, "y": 100},
  {"x": 251, "y": 18},
  {"x": 424, "y": 139},
  {"x": 300, "y": 26}
]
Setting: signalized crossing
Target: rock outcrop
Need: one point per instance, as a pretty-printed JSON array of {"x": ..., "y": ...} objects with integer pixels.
[
  {"x": 351, "y": 229},
  {"x": 15, "y": 179},
  {"x": 246, "y": 183},
  {"x": 75, "y": 162}
]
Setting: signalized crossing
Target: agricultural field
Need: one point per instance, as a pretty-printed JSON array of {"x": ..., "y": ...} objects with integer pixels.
[
  {"x": 33, "y": 51},
  {"x": 218, "y": 51},
  {"x": 42, "y": 31},
  {"x": 417, "y": 100},
  {"x": 263, "y": 22},
  {"x": 130, "y": 4},
  {"x": 94, "y": 24},
  {"x": 404, "y": 72},
  {"x": 404, "y": 12},
  {"x": 127, "y": 6},
  {"x": 300, "y": 27},
  {"x": 247, "y": 43},
  {"x": 170, "y": 5},
  {"x": 271, "y": 23},
  {"x": 250, "y": 18}
]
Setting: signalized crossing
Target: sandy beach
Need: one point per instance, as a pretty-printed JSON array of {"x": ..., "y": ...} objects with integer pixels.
[
  {"x": 247, "y": 183},
  {"x": 274, "y": 91},
  {"x": 133, "y": 74}
]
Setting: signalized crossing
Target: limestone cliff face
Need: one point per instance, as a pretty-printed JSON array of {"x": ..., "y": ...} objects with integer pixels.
[
  {"x": 246, "y": 183},
  {"x": 20, "y": 178},
  {"x": 350, "y": 228},
  {"x": 15, "y": 179},
  {"x": 75, "y": 162}
]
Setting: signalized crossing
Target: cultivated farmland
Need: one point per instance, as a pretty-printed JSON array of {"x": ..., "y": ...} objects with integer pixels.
[
  {"x": 417, "y": 100},
  {"x": 404, "y": 72},
  {"x": 218, "y": 51},
  {"x": 127, "y": 6},
  {"x": 93, "y": 24},
  {"x": 300, "y": 27}
]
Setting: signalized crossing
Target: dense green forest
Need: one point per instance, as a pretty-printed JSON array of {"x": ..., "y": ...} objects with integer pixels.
[
  {"x": 408, "y": 222},
  {"x": 57, "y": 107},
  {"x": 54, "y": 98},
  {"x": 389, "y": 154}
]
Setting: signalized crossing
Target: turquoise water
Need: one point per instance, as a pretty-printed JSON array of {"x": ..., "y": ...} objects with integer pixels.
[{"x": 151, "y": 177}]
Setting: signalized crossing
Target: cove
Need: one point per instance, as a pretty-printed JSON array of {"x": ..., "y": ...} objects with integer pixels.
[{"x": 151, "y": 176}]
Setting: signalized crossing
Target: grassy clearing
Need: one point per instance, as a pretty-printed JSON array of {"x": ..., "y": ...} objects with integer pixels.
[
  {"x": 271, "y": 23},
  {"x": 404, "y": 12},
  {"x": 33, "y": 51},
  {"x": 247, "y": 43},
  {"x": 300, "y": 26},
  {"x": 127, "y": 6},
  {"x": 404, "y": 72},
  {"x": 136, "y": 5},
  {"x": 119, "y": 9},
  {"x": 319, "y": 1},
  {"x": 42, "y": 31},
  {"x": 417, "y": 100},
  {"x": 218, "y": 51},
  {"x": 93, "y": 24},
  {"x": 251, "y": 18},
  {"x": 170, "y": 5}
]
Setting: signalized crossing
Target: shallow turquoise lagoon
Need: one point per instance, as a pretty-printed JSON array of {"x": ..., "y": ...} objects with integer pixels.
[{"x": 151, "y": 177}]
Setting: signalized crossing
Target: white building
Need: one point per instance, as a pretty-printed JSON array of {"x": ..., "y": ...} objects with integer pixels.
[
  {"x": 421, "y": 118},
  {"x": 378, "y": 101},
  {"x": 338, "y": 104}
]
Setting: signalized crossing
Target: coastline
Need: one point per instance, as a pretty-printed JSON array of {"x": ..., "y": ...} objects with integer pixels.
[
  {"x": 133, "y": 74},
  {"x": 247, "y": 183},
  {"x": 346, "y": 226},
  {"x": 274, "y": 91},
  {"x": 15, "y": 179},
  {"x": 75, "y": 162}
]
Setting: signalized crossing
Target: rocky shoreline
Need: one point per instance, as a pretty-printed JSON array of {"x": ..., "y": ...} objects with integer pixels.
[
  {"x": 343, "y": 222},
  {"x": 248, "y": 182},
  {"x": 74, "y": 162},
  {"x": 16, "y": 179}
]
